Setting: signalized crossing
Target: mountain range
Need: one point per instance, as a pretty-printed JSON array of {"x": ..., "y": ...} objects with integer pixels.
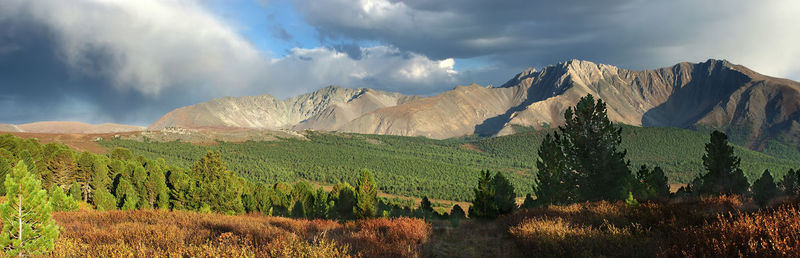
[{"x": 753, "y": 108}]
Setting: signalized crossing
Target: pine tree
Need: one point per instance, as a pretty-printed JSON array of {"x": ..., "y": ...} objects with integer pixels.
[
  {"x": 100, "y": 178},
  {"x": 483, "y": 206},
  {"x": 179, "y": 187},
  {"x": 321, "y": 204},
  {"x": 366, "y": 196},
  {"x": 83, "y": 174},
  {"x": 261, "y": 195},
  {"x": 139, "y": 182},
  {"x": 591, "y": 145},
  {"x": 5, "y": 169},
  {"x": 121, "y": 154},
  {"x": 723, "y": 173},
  {"x": 344, "y": 200},
  {"x": 650, "y": 183},
  {"x": 504, "y": 196},
  {"x": 157, "y": 191},
  {"x": 529, "y": 202},
  {"x": 63, "y": 168},
  {"x": 103, "y": 200},
  {"x": 764, "y": 189},
  {"x": 216, "y": 186},
  {"x": 298, "y": 210},
  {"x": 60, "y": 201},
  {"x": 28, "y": 228},
  {"x": 457, "y": 212},
  {"x": 75, "y": 191},
  {"x": 554, "y": 184},
  {"x": 790, "y": 182},
  {"x": 426, "y": 208},
  {"x": 126, "y": 194}
]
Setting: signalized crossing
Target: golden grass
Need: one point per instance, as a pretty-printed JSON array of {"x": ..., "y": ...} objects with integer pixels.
[{"x": 186, "y": 234}]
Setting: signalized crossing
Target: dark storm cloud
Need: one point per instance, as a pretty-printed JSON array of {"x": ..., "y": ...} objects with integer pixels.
[{"x": 519, "y": 33}]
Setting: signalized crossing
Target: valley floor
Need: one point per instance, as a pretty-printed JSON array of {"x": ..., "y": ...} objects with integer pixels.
[{"x": 725, "y": 226}]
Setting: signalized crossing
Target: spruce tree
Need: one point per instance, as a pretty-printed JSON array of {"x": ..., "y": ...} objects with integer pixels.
[
  {"x": 75, "y": 191},
  {"x": 298, "y": 210},
  {"x": 157, "y": 191},
  {"x": 5, "y": 169},
  {"x": 366, "y": 196},
  {"x": 103, "y": 200},
  {"x": 216, "y": 186},
  {"x": 504, "y": 196},
  {"x": 790, "y": 182},
  {"x": 723, "y": 175},
  {"x": 764, "y": 189},
  {"x": 591, "y": 145},
  {"x": 554, "y": 182},
  {"x": 344, "y": 200},
  {"x": 60, "y": 201},
  {"x": 28, "y": 228},
  {"x": 126, "y": 194},
  {"x": 484, "y": 206},
  {"x": 179, "y": 185},
  {"x": 426, "y": 208},
  {"x": 321, "y": 204},
  {"x": 457, "y": 212}
]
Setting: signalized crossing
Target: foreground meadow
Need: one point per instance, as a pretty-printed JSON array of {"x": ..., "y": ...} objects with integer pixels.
[{"x": 720, "y": 226}]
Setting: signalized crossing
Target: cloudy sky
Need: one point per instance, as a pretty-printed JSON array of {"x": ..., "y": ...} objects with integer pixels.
[{"x": 132, "y": 61}]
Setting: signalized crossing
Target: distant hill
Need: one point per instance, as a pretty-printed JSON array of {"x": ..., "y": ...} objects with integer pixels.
[
  {"x": 756, "y": 110},
  {"x": 63, "y": 127}
]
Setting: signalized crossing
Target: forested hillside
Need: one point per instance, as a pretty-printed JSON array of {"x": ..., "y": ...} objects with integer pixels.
[{"x": 442, "y": 169}]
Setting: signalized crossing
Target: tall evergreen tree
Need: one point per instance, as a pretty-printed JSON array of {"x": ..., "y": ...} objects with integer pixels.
[
  {"x": 59, "y": 200},
  {"x": 457, "y": 212},
  {"x": 216, "y": 186},
  {"x": 504, "y": 196},
  {"x": 28, "y": 228},
  {"x": 555, "y": 184},
  {"x": 651, "y": 183},
  {"x": 790, "y": 182},
  {"x": 104, "y": 200},
  {"x": 344, "y": 200},
  {"x": 764, "y": 189},
  {"x": 126, "y": 194},
  {"x": 591, "y": 144},
  {"x": 483, "y": 206},
  {"x": 179, "y": 185},
  {"x": 321, "y": 206},
  {"x": 5, "y": 169},
  {"x": 426, "y": 207},
  {"x": 723, "y": 175},
  {"x": 83, "y": 173},
  {"x": 157, "y": 191},
  {"x": 139, "y": 182},
  {"x": 366, "y": 196}
]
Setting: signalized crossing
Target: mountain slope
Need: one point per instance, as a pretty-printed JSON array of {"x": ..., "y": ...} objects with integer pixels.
[
  {"x": 756, "y": 110},
  {"x": 267, "y": 112}
]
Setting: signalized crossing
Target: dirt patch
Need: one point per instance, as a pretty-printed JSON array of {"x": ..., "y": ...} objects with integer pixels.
[{"x": 470, "y": 146}]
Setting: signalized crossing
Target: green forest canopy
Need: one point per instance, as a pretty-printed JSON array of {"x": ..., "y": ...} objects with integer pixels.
[{"x": 442, "y": 169}]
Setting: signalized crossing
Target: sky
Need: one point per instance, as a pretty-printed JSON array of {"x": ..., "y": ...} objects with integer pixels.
[{"x": 131, "y": 62}]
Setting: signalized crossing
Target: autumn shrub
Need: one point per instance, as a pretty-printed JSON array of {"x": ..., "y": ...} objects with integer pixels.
[
  {"x": 611, "y": 229},
  {"x": 385, "y": 237},
  {"x": 766, "y": 233},
  {"x": 153, "y": 233}
]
